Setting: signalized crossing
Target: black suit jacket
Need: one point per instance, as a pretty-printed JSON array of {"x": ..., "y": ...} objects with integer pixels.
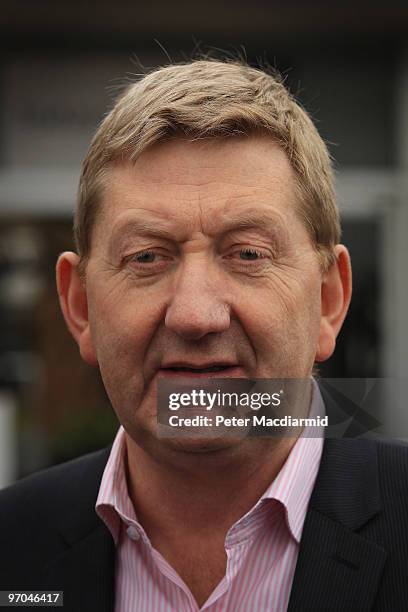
[{"x": 353, "y": 553}]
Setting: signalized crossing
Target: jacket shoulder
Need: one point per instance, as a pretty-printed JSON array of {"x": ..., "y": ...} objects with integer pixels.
[
  {"x": 38, "y": 514},
  {"x": 47, "y": 493}
]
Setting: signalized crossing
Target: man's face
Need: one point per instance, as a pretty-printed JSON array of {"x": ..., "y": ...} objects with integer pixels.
[{"x": 199, "y": 260}]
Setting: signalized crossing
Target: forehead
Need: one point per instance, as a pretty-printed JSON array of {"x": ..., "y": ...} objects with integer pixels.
[{"x": 202, "y": 183}]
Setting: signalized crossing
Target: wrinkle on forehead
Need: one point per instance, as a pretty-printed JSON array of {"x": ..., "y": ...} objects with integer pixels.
[
  {"x": 143, "y": 222},
  {"x": 199, "y": 208},
  {"x": 160, "y": 189}
]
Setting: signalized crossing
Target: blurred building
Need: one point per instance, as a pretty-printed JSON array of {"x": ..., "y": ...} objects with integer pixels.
[{"x": 61, "y": 67}]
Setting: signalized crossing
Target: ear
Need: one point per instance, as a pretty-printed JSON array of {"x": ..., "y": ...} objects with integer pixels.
[
  {"x": 74, "y": 304},
  {"x": 335, "y": 300}
]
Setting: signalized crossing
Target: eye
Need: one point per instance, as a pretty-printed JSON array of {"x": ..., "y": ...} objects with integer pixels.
[
  {"x": 248, "y": 259},
  {"x": 144, "y": 257},
  {"x": 250, "y": 254},
  {"x": 148, "y": 261}
]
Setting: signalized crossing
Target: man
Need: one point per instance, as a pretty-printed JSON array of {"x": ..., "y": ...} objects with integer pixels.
[{"x": 208, "y": 246}]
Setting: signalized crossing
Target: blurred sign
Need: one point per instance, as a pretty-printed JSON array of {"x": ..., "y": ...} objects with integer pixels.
[{"x": 52, "y": 107}]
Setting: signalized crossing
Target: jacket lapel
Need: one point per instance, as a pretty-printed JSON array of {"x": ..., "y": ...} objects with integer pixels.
[
  {"x": 84, "y": 569},
  {"x": 85, "y": 573},
  {"x": 337, "y": 568}
]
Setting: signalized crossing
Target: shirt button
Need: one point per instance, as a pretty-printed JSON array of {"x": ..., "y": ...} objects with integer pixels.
[{"x": 133, "y": 533}]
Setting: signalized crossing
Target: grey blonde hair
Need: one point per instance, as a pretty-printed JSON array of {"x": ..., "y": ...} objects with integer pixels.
[{"x": 209, "y": 99}]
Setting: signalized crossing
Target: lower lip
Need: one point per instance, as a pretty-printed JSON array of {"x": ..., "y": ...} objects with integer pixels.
[{"x": 232, "y": 372}]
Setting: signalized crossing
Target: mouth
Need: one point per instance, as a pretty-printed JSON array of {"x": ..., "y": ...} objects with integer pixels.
[{"x": 216, "y": 370}]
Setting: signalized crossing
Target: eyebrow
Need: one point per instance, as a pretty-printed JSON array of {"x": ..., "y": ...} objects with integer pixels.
[
  {"x": 141, "y": 227},
  {"x": 255, "y": 219},
  {"x": 267, "y": 222}
]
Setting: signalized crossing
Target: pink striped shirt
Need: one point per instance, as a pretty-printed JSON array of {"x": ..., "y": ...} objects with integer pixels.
[{"x": 261, "y": 547}]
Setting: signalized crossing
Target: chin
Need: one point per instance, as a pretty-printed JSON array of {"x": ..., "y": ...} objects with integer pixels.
[{"x": 201, "y": 445}]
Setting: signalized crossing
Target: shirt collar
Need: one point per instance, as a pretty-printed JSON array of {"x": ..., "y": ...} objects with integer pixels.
[
  {"x": 294, "y": 484},
  {"x": 113, "y": 503}
]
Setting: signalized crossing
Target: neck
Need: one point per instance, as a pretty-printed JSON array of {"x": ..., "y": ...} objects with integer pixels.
[{"x": 201, "y": 493}]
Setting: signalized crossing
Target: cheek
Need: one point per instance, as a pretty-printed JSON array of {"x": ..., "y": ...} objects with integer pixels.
[
  {"x": 122, "y": 334},
  {"x": 122, "y": 326},
  {"x": 277, "y": 304},
  {"x": 281, "y": 317}
]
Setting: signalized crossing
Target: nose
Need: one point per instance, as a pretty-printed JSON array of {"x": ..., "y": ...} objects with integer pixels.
[{"x": 198, "y": 306}]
